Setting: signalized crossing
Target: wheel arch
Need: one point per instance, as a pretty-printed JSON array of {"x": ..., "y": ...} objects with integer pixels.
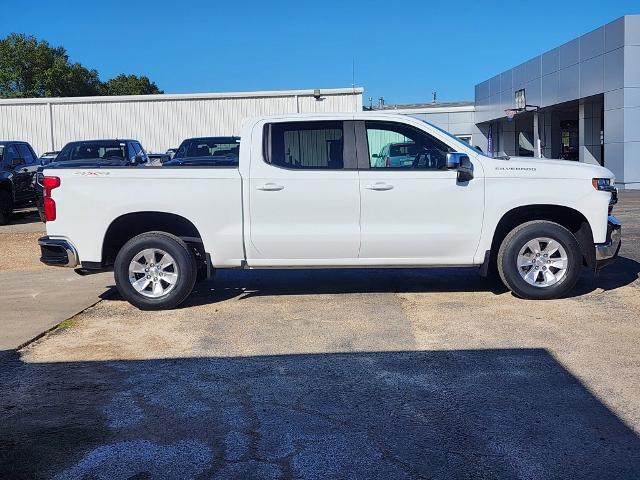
[
  {"x": 570, "y": 218},
  {"x": 127, "y": 226}
]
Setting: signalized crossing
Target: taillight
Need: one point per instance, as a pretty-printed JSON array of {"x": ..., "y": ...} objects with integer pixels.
[{"x": 49, "y": 204}]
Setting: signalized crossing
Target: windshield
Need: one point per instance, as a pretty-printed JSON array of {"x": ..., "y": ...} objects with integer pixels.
[
  {"x": 222, "y": 150},
  {"x": 86, "y": 151}
]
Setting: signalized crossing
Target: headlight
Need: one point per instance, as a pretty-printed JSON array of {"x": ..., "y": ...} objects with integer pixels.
[{"x": 602, "y": 184}]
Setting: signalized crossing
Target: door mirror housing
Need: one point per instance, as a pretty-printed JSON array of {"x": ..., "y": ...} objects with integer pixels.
[{"x": 461, "y": 163}]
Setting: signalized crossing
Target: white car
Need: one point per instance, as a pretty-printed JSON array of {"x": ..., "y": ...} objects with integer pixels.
[{"x": 305, "y": 194}]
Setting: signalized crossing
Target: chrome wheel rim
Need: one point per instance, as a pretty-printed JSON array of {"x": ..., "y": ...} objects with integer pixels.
[
  {"x": 153, "y": 273},
  {"x": 542, "y": 262}
]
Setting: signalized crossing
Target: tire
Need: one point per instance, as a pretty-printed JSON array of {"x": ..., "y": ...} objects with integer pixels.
[
  {"x": 543, "y": 277},
  {"x": 6, "y": 207},
  {"x": 175, "y": 274}
]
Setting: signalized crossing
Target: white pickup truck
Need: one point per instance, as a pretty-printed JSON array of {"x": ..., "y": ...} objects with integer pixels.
[{"x": 315, "y": 190}]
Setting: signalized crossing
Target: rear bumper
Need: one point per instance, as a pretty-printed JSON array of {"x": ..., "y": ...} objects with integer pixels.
[
  {"x": 608, "y": 251},
  {"x": 58, "y": 252}
]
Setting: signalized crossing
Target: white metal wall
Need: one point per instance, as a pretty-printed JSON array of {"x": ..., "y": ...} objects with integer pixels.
[{"x": 158, "y": 121}]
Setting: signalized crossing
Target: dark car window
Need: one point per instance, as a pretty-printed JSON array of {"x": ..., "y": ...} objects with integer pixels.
[
  {"x": 10, "y": 154},
  {"x": 90, "y": 151},
  {"x": 25, "y": 153},
  {"x": 212, "y": 151},
  {"x": 306, "y": 145}
]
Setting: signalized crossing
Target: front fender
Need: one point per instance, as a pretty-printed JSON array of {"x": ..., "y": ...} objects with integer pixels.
[{"x": 503, "y": 195}]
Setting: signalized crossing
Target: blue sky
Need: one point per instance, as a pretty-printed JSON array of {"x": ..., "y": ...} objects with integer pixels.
[{"x": 403, "y": 50}]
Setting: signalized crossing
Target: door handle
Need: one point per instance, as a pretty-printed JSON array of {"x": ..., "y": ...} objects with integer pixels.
[
  {"x": 270, "y": 187},
  {"x": 379, "y": 186}
]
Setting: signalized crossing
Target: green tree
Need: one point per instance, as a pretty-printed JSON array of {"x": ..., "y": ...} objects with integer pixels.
[
  {"x": 130, "y": 85},
  {"x": 32, "y": 68}
]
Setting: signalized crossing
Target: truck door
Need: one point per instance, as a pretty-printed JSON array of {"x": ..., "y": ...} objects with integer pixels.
[
  {"x": 304, "y": 196},
  {"x": 413, "y": 209},
  {"x": 27, "y": 171},
  {"x": 16, "y": 165}
]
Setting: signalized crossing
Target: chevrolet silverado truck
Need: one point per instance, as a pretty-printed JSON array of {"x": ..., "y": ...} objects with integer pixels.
[{"x": 309, "y": 192}]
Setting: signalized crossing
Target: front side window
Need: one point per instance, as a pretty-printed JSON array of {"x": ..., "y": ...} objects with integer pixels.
[
  {"x": 306, "y": 145},
  {"x": 9, "y": 155},
  {"x": 25, "y": 153},
  {"x": 398, "y": 146}
]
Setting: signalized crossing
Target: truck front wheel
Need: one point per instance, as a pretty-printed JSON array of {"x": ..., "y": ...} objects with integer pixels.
[
  {"x": 155, "y": 271},
  {"x": 540, "y": 260}
]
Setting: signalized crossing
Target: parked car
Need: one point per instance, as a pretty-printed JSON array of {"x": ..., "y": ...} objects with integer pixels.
[
  {"x": 304, "y": 194},
  {"x": 396, "y": 155},
  {"x": 18, "y": 165},
  {"x": 207, "y": 151},
  {"x": 92, "y": 154},
  {"x": 48, "y": 157}
]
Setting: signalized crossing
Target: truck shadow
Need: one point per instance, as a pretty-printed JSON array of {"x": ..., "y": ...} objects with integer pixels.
[
  {"x": 249, "y": 283},
  {"x": 495, "y": 413}
]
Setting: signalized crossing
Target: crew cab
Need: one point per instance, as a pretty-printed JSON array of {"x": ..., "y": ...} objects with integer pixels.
[
  {"x": 308, "y": 192},
  {"x": 18, "y": 165}
]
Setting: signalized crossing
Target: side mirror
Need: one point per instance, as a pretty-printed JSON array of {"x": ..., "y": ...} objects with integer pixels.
[
  {"x": 461, "y": 163},
  {"x": 455, "y": 159}
]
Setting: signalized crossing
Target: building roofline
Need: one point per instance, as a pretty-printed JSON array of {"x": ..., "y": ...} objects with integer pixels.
[{"x": 181, "y": 96}]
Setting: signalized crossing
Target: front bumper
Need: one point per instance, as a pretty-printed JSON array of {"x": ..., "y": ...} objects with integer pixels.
[
  {"x": 58, "y": 252},
  {"x": 608, "y": 251}
]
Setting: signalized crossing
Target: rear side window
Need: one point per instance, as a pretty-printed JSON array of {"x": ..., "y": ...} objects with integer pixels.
[{"x": 305, "y": 145}]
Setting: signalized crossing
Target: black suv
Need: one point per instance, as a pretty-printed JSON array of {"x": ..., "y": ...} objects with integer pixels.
[{"x": 18, "y": 166}]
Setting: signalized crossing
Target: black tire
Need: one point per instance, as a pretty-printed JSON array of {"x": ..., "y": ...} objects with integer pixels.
[
  {"x": 516, "y": 240},
  {"x": 6, "y": 207},
  {"x": 185, "y": 265}
]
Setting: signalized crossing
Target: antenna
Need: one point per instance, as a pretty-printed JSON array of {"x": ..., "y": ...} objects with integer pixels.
[{"x": 353, "y": 73}]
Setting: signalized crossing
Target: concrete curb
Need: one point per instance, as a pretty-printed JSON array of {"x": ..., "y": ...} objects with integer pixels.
[{"x": 105, "y": 296}]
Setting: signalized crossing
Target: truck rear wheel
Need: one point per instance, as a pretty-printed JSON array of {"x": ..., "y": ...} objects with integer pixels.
[
  {"x": 540, "y": 260},
  {"x": 6, "y": 207},
  {"x": 155, "y": 271}
]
